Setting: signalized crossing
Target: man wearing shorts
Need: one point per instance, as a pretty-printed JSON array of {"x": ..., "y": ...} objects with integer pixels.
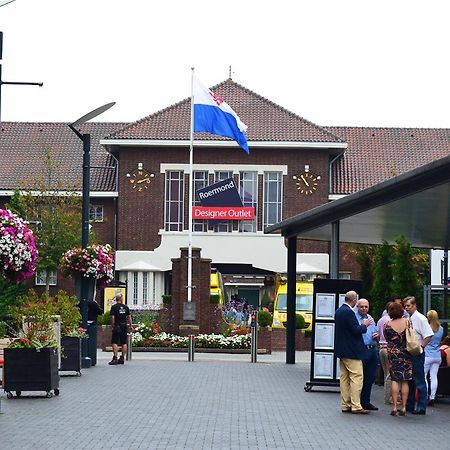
[{"x": 121, "y": 323}]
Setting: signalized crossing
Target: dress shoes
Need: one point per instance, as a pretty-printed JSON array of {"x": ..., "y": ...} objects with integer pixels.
[
  {"x": 370, "y": 407},
  {"x": 360, "y": 411}
]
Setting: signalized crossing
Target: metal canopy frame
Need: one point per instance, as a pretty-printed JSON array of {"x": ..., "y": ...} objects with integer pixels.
[{"x": 414, "y": 204}]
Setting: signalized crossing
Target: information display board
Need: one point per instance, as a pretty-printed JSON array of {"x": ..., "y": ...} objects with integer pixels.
[{"x": 329, "y": 295}]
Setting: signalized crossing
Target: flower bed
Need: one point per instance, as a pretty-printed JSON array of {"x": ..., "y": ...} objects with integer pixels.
[{"x": 167, "y": 340}]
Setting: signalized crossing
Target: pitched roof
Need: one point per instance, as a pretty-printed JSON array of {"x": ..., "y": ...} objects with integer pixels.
[
  {"x": 377, "y": 154},
  {"x": 266, "y": 121},
  {"x": 23, "y": 146}
]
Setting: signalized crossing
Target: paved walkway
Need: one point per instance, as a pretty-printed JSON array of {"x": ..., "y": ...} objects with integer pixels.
[{"x": 161, "y": 401}]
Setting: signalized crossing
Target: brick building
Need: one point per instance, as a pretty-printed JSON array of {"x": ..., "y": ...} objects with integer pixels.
[{"x": 140, "y": 176}]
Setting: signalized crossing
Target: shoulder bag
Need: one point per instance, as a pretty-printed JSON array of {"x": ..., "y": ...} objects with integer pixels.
[{"x": 412, "y": 344}]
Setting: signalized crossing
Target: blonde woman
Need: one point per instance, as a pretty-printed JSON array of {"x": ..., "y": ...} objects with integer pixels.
[{"x": 433, "y": 354}]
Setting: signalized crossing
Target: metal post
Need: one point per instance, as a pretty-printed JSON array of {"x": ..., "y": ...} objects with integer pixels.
[
  {"x": 85, "y": 360},
  {"x": 254, "y": 345},
  {"x": 445, "y": 283},
  {"x": 191, "y": 348},
  {"x": 291, "y": 295},
  {"x": 334, "y": 251},
  {"x": 129, "y": 355}
]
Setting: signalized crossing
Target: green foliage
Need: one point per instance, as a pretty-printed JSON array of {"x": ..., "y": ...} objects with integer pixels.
[
  {"x": 9, "y": 295},
  {"x": 16, "y": 204},
  {"x": 405, "y": 275},
  {"x": 214, "y": 298},
  {"x": 104, "y": 319},
  {"x": 382, "y": 280},
  {"x": 299, "y": 322},
  {"x": 264, "y": 318},
  {"x": 265, "y": 301},
  {"x": 3, "y": 329},
  {"x": 365, "y": 257},
  {"x": 67, "y": 308},
  {"x": 166, "y": 298},
  {"x": 144, "y": 316}
]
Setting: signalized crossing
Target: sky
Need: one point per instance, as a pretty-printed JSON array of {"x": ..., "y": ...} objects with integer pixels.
[{"x": 334, "y": 63}]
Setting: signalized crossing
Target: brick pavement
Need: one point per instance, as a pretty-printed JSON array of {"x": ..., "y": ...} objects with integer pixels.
[{"x": 161, "y": 401}]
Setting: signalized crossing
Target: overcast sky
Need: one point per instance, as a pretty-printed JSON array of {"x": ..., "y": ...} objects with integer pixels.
[{"x": 333, "y": 62}]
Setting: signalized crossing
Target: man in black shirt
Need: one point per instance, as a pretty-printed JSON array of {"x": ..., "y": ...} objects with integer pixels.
[{"x": 121, "y": 324}]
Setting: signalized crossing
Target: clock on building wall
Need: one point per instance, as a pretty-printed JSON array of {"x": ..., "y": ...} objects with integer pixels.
[
  {"x": 307, "y": 182},
  {"x": 140, "y": 179}
]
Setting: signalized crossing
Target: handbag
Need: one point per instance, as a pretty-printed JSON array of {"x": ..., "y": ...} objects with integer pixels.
[{"x": 412, "y": 344}]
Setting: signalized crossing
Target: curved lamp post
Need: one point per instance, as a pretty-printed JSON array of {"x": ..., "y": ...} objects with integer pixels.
[{"x": 86, "y": 138}]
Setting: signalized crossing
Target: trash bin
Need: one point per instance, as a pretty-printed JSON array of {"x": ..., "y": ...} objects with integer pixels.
[{"x": 92, "y": 341}]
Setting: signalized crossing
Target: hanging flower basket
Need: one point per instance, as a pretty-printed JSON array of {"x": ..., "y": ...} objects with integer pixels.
[
  {"x": 18, "y": 254},
  {"x": 94, "y": 261}
]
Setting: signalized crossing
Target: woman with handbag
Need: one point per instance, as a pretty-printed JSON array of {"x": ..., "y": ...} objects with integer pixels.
[
  {"x": 433, "y": 354},
  {"x": 400, "y": 360}
]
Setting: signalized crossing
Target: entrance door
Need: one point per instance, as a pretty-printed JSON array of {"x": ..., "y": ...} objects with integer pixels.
[{"x": 251, "y": 295}]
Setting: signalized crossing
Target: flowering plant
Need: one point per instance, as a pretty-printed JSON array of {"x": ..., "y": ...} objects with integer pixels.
[
  {"x": 93, "y": 261},
  {"x": 79, "y": 332},
  {"x": 37, "y": 342},
  {"x": 18, "y": 254}
]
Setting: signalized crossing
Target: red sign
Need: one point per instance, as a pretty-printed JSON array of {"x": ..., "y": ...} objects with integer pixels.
[{"x": 222, "y": 213}]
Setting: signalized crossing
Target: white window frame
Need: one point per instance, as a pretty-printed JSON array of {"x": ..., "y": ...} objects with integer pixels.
[
  {"x": 96, "y": 213},
  {"x": 248, "y": 182},
  {"x": 174, "y": 223},
  {"x": 40, "y": 278},
  {"x": 268, "y": 185},
  {"x": 200, "y": 180}
]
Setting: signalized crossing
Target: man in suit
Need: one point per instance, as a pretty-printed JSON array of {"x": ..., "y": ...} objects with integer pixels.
[{"x": 350, "y": 349}]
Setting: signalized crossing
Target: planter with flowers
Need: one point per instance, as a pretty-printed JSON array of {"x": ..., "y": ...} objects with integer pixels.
[{"x": 31, "y": 359}]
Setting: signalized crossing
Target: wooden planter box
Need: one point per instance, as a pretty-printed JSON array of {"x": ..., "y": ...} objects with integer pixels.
[
  {"x": 26, "y": 369},
  {"x": 71, "y": 354}
]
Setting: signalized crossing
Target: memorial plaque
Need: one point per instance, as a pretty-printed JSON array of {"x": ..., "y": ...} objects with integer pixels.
[{"x": 189, "y": 311}]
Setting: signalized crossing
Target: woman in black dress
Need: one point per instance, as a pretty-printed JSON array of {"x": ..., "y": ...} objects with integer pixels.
[{"x": 400, "y": 360}]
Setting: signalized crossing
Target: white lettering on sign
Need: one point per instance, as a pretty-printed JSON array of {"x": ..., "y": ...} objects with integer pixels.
[
  {"x": 222, "y": 213},
  {"x": 216, "y": 190}
]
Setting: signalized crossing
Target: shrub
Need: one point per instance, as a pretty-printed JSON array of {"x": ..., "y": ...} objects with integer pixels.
[
  {"x": 264, "y": 318},
  {"x": 166, "y": 298},
  {"x": 299, "y": 322},
  {"x": 214, "y": 298},
  {"x": 104, "y": 319}
]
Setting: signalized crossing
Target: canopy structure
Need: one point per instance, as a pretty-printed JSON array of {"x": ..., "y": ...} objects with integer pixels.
[{"x": 414, "y": 204}]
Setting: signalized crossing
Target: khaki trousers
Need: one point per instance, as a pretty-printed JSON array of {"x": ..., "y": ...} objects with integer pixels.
[
  {"x": 387, "y": 378},
  {"x": 351, "y": 383}
]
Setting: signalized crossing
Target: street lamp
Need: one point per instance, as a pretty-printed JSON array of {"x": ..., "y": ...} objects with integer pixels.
[{"x": 86, "y": 138}]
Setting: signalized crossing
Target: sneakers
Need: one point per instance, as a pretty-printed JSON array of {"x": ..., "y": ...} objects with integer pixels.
[
  {"x": 114, "y": 361},
  {"x": 120, "y": 360}
]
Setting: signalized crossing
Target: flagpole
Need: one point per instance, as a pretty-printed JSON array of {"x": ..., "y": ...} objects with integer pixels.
[{"x": 191, "y": 165}]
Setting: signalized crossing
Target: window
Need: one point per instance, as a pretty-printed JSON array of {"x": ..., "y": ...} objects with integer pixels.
[
  {"x": 96, "y": 213},
  {"x": 200, "y": 181},
  {"x": 272, "y": 198},
  {"x": 248, "y": 190},
  {"x": 144, "y": 288},
  {"x": 41, "y": 278},
  {"x": 174, "y": 201},
  {"x": 135, "y": 288},
  {"x": 223, "y": 227}
]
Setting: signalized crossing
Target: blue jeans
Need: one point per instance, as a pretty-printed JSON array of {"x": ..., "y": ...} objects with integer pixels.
[
  {"x": 370, "y": 363},
  {"x": 417, "y": 382}
]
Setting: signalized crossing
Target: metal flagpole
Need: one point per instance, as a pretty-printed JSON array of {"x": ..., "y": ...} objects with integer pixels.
[{"x": 191, "y": 164}]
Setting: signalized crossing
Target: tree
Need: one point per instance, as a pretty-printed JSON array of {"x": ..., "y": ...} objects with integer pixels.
[
  {"x": 406, "y": 280},
  {"x": 54, "y": 206},
  {"x": 364, "y": 255},
  {"x": 382, "y": 281}
]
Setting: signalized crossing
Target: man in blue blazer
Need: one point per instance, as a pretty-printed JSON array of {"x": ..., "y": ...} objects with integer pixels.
[{"x": 350, "y": 349}]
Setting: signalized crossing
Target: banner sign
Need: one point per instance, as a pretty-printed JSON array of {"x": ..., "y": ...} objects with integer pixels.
[
  {"x": 222, "y": 213},
  {"x": 223, "y": 193}
]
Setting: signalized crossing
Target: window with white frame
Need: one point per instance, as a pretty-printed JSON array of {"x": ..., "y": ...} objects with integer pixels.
[
  {"x": 41, "y": 278},
  {"x": 135, "y": 288},
  {"x": 144, "y": 288},
  {"x": 96, "y": 213},
  {"x": 174, "y": 200},
  {"x": 272, "y": 198},
  {"x": 200, "y": 180},
  {"x": 248, "y": 190},
  {"x": 227, "y": 226}
]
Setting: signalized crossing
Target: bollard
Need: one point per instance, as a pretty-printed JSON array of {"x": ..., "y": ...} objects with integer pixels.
[
  {"x": 191, "y": 347},
  {"x": 254, "y": 345},
  {"x": 129, "y": 347}
]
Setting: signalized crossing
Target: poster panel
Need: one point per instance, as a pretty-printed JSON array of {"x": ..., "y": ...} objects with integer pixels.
[{"x": 110, "y": 297}]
